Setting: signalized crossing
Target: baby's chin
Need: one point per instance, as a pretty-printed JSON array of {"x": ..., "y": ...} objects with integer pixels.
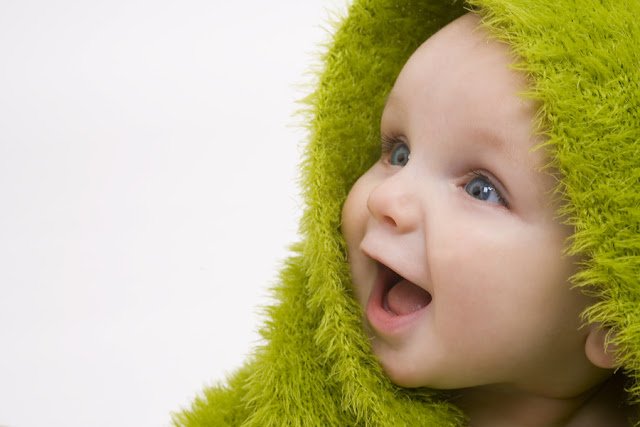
[{"x": 400, "y": 372}]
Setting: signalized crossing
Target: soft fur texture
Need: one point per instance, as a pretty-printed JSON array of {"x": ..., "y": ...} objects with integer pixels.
[{"x": 583, "y": 58}]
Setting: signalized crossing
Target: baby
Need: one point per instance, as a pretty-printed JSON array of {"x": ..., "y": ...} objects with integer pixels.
[
  {"x": 456, "y": 248},
  {"x": 484, "y": 270}
]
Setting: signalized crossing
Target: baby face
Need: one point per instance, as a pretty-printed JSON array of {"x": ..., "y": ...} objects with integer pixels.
[{"x": 453, "y": 242}]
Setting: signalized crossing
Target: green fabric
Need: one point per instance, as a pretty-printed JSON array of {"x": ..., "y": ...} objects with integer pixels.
[{"x": 316, "y": 367}]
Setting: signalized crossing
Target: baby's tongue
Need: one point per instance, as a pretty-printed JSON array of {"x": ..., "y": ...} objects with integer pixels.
[{"x": 405, "y": 298}]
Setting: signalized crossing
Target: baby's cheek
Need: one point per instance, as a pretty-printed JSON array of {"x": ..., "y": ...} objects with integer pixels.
[
  {"x": 353, "y": 228},
  {"x": 467, "y": 306},
  {"x": 475, "y": 284},
  {"x": 355, "y": 215}
]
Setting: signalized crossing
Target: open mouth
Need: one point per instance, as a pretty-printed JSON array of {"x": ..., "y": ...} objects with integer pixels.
[{"x": 400, "y": 296}]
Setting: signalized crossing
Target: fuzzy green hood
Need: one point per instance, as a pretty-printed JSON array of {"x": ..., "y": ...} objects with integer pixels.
[{"x": 583, "y": 58}]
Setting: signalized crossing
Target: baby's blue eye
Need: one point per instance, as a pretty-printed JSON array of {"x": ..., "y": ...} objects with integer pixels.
[
  {"x": 400, "y": 155},
  {"x": 481, "y": 189}
]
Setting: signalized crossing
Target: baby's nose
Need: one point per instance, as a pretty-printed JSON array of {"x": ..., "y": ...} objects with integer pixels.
[{"x": 396, "y": 205}]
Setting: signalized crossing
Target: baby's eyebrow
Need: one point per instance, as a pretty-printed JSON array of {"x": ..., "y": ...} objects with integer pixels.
[
  {"x": 494, "y": 139},
  {"x": 486, "y": 134}
]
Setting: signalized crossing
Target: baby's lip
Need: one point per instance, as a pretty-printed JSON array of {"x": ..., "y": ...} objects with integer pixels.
[
  {"x": 383, "y": 317},
  {"x": 389, "y": 275}
]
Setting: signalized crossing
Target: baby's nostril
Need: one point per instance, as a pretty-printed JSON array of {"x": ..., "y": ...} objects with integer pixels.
[{"x": 390, "y": 221}]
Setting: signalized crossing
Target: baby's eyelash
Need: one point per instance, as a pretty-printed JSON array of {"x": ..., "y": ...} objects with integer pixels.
[
  {"x": 387, "y": 143},
  {"x": 480, "y": 174}
]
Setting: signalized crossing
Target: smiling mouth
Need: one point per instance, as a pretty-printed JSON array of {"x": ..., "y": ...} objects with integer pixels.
[{"x": 400, "y": 296}]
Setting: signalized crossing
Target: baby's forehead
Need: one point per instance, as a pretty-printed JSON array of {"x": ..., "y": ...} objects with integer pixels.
[
  {"x": 461, "y": 74},
  {"x": 460, "y": 51}
]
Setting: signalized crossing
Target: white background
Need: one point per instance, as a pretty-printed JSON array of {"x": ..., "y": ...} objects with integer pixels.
[{"x": 147, "y": 196}]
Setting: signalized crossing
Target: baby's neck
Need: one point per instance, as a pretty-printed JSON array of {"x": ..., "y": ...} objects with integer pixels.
[{"x": 603, "y": 405}]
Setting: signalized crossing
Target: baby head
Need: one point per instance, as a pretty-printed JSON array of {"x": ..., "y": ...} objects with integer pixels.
[{"x": 454, "y": 242}]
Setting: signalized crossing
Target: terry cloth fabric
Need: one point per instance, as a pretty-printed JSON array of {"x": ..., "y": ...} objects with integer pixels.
[{"x": 583, "y": 58}]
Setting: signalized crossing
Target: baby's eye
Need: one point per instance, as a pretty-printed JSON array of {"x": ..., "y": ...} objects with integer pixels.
[
  {"x": 400, "y": 155},
  {"x": 482, "y": 189}
]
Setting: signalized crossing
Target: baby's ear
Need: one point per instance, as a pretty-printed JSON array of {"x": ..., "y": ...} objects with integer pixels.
[{"x": 598, "y": 351}]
